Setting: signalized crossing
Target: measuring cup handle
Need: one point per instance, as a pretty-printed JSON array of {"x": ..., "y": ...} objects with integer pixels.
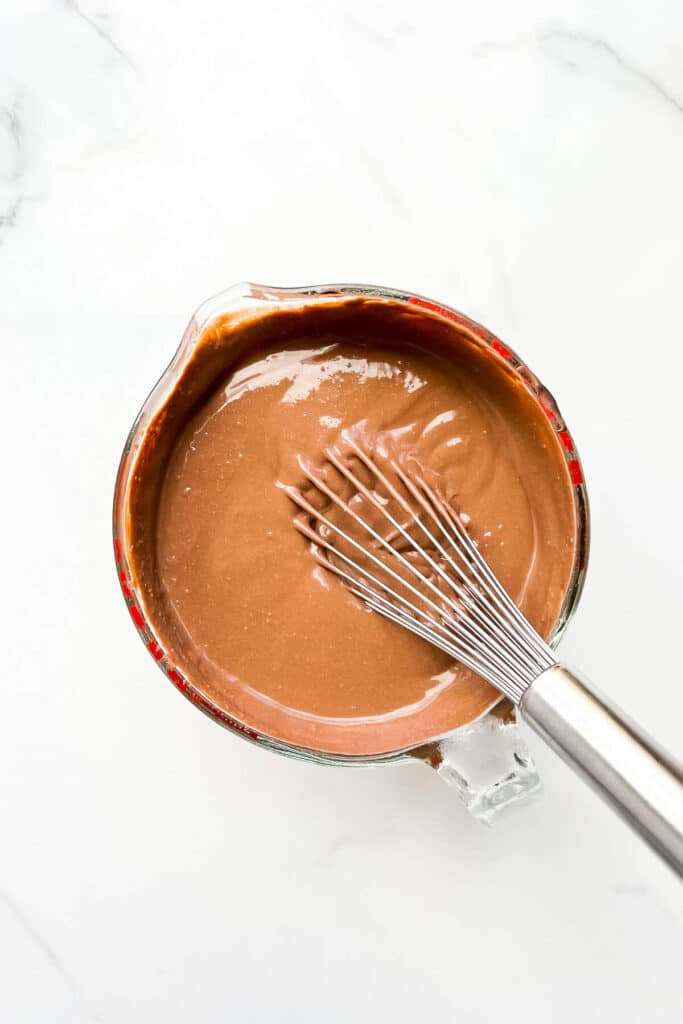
[{"x": 487, "y": 763}]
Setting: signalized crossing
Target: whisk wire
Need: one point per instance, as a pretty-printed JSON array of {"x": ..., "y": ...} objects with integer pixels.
[
  {"x": 525, "y": 637},
  {"x": 519, "y": 651},
  {"x": 470, "y": 616},
  {"x": 458, "y": 625}
]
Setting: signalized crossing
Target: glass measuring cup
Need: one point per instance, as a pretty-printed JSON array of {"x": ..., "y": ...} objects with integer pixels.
[{"x": 486, "y": 761}]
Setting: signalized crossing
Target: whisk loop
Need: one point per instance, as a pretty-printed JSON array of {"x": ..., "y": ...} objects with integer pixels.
[{"x": 402, "y": 549}]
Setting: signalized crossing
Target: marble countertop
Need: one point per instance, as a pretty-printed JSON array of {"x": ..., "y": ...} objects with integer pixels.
[{"x": 523, "y": 162}]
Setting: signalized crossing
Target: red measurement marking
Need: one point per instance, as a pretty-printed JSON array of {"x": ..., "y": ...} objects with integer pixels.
[
  {"x": 449, "y": 314},
  {"x": 565, "y": 438},
  {"x": 197, "y": 698},
  {"x": 117, "y": 549},
  {"x": 230, "y": 722},
  {"x": 124, "y": 585},
  {"x": 501, "y": 349},
  {"x": 155, "y": 650},
  {"x": 136, "y": 616},
  {"x": 176, "y": 678},
  {"x": 238, "y": 727},
  {"x": 416, "y": 301},
  {"x": 575, "y": 473}
]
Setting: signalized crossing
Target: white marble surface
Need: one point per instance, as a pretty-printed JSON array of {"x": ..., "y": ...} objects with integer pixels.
[{"x": 523, "y": 162}]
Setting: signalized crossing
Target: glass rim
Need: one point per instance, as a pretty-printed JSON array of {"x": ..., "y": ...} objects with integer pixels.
[{"x": 255, "y": 299}]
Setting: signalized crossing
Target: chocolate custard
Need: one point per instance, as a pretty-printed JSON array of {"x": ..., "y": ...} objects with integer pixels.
[{"x": 230, "y": 586}]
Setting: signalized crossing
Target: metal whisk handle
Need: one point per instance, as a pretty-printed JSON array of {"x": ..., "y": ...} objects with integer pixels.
[{"x": 624, "y": 766}]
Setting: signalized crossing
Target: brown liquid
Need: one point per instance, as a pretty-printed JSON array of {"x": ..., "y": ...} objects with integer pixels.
[{"x": 230, "y": 586}]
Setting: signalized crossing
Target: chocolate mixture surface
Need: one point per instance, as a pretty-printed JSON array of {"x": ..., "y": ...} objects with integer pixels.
[{"x": 230, "y": 586}]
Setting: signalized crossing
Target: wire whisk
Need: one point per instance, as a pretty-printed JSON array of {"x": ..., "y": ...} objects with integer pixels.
[
  {"x": 401, "y": 548},
  {"x": 397, "y": 543}
]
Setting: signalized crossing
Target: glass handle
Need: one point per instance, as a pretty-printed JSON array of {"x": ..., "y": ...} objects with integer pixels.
[{"x": 487, "y": 763}]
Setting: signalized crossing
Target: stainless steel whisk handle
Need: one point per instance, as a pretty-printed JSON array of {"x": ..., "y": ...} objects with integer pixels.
[{"x": 642, "y": 782}]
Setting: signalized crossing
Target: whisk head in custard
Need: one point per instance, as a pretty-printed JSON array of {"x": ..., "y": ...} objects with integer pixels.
[{"x": 399, "y": 546}]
